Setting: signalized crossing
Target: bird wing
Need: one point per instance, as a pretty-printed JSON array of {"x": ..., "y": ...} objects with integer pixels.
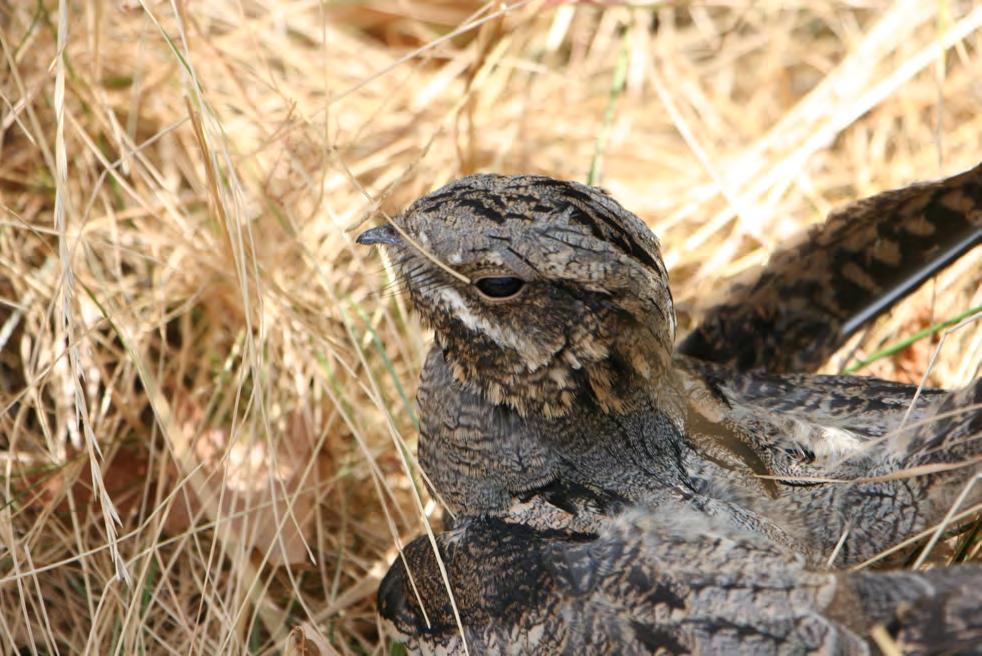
[{"x": 812, "y": 296}]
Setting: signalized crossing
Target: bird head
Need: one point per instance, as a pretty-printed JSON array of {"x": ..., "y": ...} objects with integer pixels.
[
  {"x": 539, "y": 291},
  {"x": 477, "y": 560}
]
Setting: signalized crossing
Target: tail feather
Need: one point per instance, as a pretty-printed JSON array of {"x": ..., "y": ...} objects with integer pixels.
[{"x": 813, "y": 296}]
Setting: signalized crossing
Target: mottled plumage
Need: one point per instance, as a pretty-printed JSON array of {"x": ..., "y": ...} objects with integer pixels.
[
  {"x": 572, "y": 378},
  {"x": 591, "y": 272},
  {"x": 663, "y": 580},
  {"x": 813, "y": 295},
  {"x": 552, "y": 398}
]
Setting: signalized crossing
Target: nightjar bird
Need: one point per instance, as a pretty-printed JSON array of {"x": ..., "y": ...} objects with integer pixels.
[
  {"x": 553, "y": 399},
  {"x": 665, "y": 580}
]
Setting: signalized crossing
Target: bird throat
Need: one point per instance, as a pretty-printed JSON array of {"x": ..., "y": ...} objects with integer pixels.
[{"x": 616, "y": 382}]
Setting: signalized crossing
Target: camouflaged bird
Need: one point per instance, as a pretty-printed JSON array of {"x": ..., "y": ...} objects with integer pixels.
[
  {"x": 552, "y": 396},
  {"x": 663, "y": 580}
]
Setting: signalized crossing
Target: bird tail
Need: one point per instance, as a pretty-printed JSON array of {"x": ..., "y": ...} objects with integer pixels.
[{"x": 811, "y": 297}]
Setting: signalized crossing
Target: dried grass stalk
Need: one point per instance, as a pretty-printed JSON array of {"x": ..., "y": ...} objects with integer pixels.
[{"x": 202, "y": 382}]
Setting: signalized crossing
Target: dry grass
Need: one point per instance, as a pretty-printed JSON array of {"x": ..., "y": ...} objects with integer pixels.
[{"x": 203, "y": 387}]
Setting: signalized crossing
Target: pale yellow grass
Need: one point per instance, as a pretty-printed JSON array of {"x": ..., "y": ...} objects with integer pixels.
[{"x": 205, "y": 389}]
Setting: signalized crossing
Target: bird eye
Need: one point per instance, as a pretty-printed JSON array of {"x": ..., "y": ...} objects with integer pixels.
[{"x": 499, "y": 286}]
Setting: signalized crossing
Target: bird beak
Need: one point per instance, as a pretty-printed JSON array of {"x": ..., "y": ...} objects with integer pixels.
[{"x": 384, "y": 235}]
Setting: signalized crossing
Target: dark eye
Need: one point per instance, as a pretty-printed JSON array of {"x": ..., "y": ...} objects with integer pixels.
[{"x": 499, "y": 287}]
